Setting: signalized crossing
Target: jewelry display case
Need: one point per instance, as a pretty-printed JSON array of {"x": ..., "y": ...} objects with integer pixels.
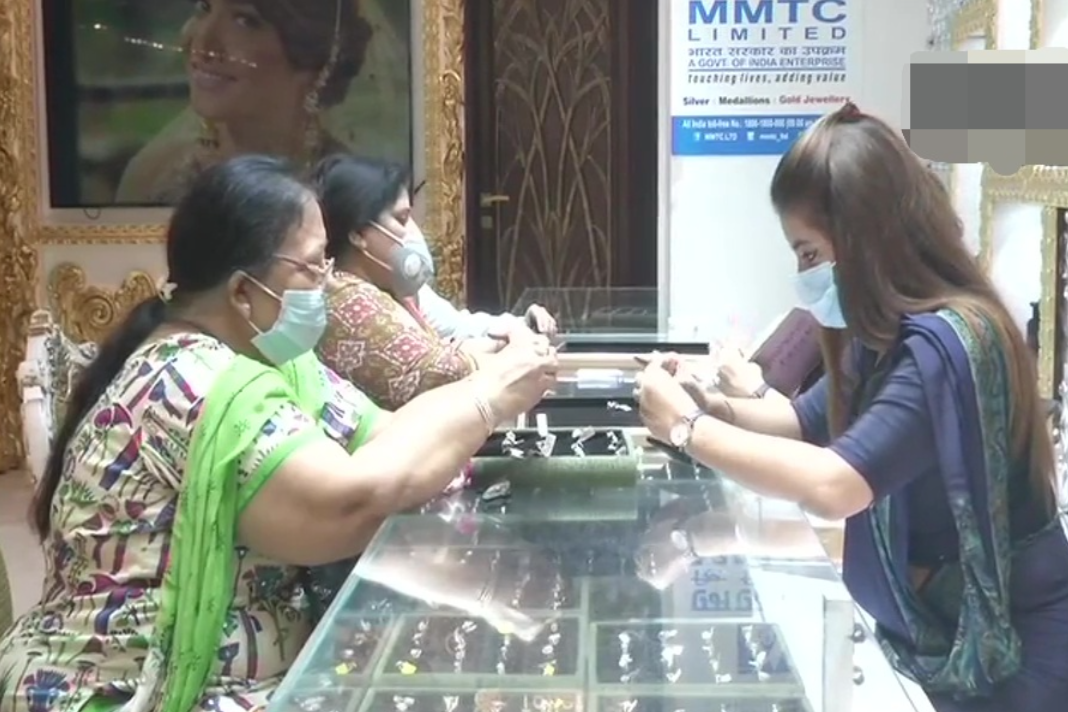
[
  {"x": 585, "y": 311},
  {"x": 606, "y": 321},
  {"x": 599, "y": 334},
  {"x": 644, "y": 597}
]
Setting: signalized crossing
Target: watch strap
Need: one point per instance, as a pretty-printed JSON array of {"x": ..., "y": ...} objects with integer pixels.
[
  {"x": 694, "y": 417},
  {"x": 689, "y": 421}
]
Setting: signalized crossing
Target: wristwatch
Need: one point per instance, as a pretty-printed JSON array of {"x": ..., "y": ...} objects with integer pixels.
[
  {"x": 682, "y": 432},
  {"x": 762, "y": 391}
]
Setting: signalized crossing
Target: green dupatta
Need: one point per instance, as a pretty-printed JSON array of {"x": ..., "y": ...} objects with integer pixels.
[{"x": 198, "y": 584}]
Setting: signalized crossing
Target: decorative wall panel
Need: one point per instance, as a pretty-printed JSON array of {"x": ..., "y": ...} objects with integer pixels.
[{"x": 553, "y": 99}]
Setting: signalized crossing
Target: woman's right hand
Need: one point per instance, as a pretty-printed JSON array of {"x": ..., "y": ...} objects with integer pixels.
[
  {"x": 738, "y": 376},
  {"x": 519, "y": 376},
  {"x": 687, "y": 373}
]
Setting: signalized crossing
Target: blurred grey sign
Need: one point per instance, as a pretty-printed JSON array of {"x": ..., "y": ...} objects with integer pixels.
[{"x": 1008, "y": 108}]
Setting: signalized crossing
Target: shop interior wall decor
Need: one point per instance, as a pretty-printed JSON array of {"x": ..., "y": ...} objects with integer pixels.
[
  {"x": 29, "y": 222},
  {"x": 973, "y": 27},
  {"x": 1020, "y": 240},
  {"x": 951, "y": 23},
  {"x": 1049, "y": 28},
  {"x": 86, "y": 312}
]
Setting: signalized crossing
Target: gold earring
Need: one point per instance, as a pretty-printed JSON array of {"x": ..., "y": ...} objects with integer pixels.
[
  {"x": 313, "y": 128},
  {"x": 209, "y": 136}
]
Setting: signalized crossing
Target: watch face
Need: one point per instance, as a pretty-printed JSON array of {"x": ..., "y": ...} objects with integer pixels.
[{"x": 680, "y": 434}]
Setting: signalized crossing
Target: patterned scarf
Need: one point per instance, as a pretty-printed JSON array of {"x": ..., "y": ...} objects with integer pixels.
[
  {"x": 965, "y": 381},
  {"x": 198, "y": 585}
]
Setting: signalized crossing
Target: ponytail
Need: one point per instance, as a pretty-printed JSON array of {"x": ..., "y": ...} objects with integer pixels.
[{"x": 144, "y": 319}]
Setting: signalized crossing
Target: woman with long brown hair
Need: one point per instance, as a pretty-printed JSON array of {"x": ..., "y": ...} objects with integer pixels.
[{"x": 927, "y": 434}]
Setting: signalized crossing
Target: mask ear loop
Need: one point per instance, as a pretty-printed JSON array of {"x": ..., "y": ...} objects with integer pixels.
[
  {"x": 354, "y": 236},
  {"x": 266, "y": 290},
  {"x": 387, "y": 232}
]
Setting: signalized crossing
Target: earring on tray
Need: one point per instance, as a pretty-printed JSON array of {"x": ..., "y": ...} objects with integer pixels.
[{"x": 550, "y": 663}]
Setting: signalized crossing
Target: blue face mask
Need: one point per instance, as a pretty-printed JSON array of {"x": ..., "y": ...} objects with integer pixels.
[
  {"x": 817, "y": 291},
  {"x": 301, "y": 323}
]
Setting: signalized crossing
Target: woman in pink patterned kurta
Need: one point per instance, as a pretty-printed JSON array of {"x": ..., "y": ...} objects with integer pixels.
[
  {"x": 383, "y": 347},
  {"x": 376, "y": 335}
]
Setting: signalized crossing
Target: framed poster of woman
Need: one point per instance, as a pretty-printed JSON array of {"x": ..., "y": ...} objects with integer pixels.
[
  {"x": 114, "y": 105},
  {"x": 141, "y": 96}
]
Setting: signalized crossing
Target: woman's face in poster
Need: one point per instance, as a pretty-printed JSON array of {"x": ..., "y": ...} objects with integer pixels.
[{"x": 237, "y": 63}]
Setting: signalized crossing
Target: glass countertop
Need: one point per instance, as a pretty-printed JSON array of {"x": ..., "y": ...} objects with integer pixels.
[
  {"x": 613, "y": 320},
  {"x": 630, "y": 311},
  {"x": 678, "y": 592}
]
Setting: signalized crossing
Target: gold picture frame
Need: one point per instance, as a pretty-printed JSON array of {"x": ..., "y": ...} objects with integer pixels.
[
  {"x": 978, "y": 18},
  {"x": 23, "y": 223},
  {"x": 1045, "y": 187},
  {"x": 1038, "y": 23}
]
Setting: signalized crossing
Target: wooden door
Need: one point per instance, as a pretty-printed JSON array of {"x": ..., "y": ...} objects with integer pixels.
[{"x": 561, "y": 145}]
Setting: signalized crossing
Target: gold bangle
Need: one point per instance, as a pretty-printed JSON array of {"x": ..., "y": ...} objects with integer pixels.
[{"x": 486, "y": 411}]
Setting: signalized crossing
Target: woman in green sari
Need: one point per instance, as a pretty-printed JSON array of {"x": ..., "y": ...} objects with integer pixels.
[{"x": 207, "y": 455}]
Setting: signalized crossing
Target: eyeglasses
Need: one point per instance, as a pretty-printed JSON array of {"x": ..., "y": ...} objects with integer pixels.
[{"x": 321, "y": 272}]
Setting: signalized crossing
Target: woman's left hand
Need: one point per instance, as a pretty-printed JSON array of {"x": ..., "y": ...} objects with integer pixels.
[
  {"x": 482, "y": 346},
  {"x": 541, "y": 320},
  {"x": 738, "y": 376},
  {"x": 662, "y": 401}
]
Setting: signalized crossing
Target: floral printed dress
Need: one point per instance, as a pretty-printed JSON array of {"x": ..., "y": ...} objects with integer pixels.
[
  {"x": 112, "y": 521},
  {"x": 385, "y": 348}
]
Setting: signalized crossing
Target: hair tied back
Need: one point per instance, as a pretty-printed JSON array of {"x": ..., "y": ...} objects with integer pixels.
[
  {"x": 165, "y": 290},
  {"x": 850, "y": 112}
]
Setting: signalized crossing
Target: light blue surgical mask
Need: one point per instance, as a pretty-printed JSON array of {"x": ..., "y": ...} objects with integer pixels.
[
  {"x": 817, "y": 290},
  {"x": 301, "y": 323}
]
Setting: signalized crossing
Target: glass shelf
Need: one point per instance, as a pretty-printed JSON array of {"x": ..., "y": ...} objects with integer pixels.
[
  {"x": 645, "y": 597},
  {"x": 630, "y": 311}
]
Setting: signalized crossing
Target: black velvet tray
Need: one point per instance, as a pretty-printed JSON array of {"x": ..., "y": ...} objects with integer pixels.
[
  {"x": 600, "y": 444},
  {"x": 468, "y": 701},
  {"x": 582, "y": 411},
  {"x": 327, "y": 699},
  {"x": 626, "y": 599},
  {"x": 632, "y": 346},
  {"x": 667, "y": 703},
  {"x": 674, "y": 653},
  {"x": 488, "y": 654},
  {"x": 354, "y": 646}
]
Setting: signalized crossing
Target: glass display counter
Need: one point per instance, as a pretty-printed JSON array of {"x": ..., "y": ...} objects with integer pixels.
[
  {"x": 628, "y": 310},
  {"x": 607, "y": 321},
  {"x": 611, "y": 597}
]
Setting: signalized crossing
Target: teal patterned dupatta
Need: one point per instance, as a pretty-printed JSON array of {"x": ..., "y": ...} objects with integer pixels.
[{"x": 960, "y": 639}]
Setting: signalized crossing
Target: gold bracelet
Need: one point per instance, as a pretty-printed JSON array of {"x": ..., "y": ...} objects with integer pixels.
[{"x": 730, "y": 410}]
